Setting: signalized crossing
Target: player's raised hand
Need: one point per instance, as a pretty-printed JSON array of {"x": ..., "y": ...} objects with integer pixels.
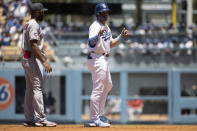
[
  {"x": 103, "y": 29},
  {"x": 125, "y": 33},
  {"x": 47, "y": 67}
]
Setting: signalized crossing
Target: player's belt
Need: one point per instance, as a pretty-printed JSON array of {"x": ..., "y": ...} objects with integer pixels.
[
  {"x": 90, "y": 57},
  {"x": 106, "y": 54},
  {"x": 26, "y": 54}
]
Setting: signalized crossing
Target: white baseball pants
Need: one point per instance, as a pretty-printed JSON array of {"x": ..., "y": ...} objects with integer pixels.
[{"x": 102, "y": 84}]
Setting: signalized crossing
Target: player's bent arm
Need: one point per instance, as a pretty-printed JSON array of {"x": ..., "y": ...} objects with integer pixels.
[
  {"x": 124, "y": 34},
  {"x": 115, "y": 42},
  {"x": 92, "y": 41},
  {"x": 37, "y": 51},
  {"x": 39, "y": 55}
]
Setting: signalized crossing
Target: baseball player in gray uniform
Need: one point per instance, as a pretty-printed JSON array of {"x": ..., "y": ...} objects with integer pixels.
[
  {"x": 100, "y": 42},
  {"x": 33, "y": 62}
]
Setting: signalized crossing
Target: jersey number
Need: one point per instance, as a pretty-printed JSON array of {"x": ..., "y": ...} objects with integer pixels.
[{"x": 26, "y": 26}]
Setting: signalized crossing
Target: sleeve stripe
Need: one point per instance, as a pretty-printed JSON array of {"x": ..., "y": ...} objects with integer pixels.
[{"x": 92, "y": 41}]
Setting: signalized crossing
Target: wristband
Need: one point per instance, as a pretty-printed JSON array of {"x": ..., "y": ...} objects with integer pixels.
[{"x": 119, "y": 38}]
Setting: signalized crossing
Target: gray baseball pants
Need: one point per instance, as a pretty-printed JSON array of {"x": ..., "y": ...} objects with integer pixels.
[{"x": 33, "y": 105}]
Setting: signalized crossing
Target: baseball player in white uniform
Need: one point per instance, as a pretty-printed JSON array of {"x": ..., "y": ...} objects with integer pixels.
[
  {"x": 100, "y": 42},
  {"x": 33, "y": 62}
]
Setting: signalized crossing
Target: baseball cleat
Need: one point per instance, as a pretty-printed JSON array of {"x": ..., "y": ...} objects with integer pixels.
[
  {"x": 45, "y": 123},
  {"x": 29, "y": 124},
  {"x": 105, "y": 119},
  {"x": 97, "y": 123},
  {"x": 90, "y": 124}
]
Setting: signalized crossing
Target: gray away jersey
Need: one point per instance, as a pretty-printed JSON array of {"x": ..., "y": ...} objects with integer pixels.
[{"x": 32, "y": 31}]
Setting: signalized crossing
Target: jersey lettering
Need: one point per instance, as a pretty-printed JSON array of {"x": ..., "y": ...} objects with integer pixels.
[
  {"x": 106, "y": 36},
  {"x": 102, "y": 43},
  {"x": 26, "y": 26}
]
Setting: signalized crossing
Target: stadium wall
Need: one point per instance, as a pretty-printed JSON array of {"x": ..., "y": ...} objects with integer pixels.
[{"x": 71, "y": 87}]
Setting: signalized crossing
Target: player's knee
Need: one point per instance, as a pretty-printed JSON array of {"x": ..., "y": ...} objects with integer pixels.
[
  {"x": 96, "y": 94},
  {"x": 93, "y": 98}
]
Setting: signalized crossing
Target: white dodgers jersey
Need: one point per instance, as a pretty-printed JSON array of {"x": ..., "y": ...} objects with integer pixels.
[{"x": 103, "y": 43}]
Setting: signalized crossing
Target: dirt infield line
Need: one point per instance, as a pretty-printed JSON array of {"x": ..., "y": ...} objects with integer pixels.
[{"x": 112, "y": 128}]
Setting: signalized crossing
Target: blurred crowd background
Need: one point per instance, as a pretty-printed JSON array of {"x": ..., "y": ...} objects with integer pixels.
[{"x": 154, "y": 40}]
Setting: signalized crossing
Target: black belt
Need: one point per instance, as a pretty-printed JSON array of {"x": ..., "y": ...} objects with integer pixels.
[{"x": 104, "y": 54}]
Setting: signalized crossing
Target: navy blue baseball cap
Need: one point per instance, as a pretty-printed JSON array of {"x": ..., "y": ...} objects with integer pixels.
[{"x": 37, "y": 7}]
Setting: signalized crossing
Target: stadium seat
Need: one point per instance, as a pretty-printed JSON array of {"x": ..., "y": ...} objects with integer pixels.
[
  {"x": 1, "y": 11},
  {"x": 2, "y": 19},
  {"x": 13, "y": 43},
  {"x": 11, "y": 53}
]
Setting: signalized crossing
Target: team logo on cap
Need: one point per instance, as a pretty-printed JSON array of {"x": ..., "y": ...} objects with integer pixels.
[
  {"x": 104, "y": 6},
  {"x": 6, "y": 94}
]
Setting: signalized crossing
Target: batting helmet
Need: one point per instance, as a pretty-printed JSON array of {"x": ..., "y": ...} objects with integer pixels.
[{"x": 101, "y": 7}]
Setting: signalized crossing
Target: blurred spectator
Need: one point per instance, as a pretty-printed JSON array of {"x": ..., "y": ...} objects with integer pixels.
[
  {"x": 163, "y": 30},
  {"x": 194, "y": 88},
  {"x": 186, "y": 91},
  {"x": 172, "y": 29},
  {"x": 140, "y": 30},
  {"x": 20, "y": 104},
  {"x": 135, "y": 107},
  {"x": 189, "y": 31},
  {"x": 1, "y": 28},
  {"x": 112, "y": 27},
  {"x": 182, "y": 27},
  {"x": 175, "y": 51},
  {"x": 119, "y": 53},
  {"x": 66, "y": 27},
  {"x": 4, "y": 7},
  {"x": 1, "y": 34},
  {"x": 189, "y": 46},
  {"x": 84, "y": 27},
  {"x": 19, "y": 38},
  {"x": 114, "y": 107},
  {"x": 1, "y": 40},
  {"x": 14, "y": 13},
  {"x": 50, "y": 104},
  {"x": 84, "y": 49},
  {"x": 21, "y": 10},
  {"x": 67, "y": 60},
  {"x": 6, "y": 39}
]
